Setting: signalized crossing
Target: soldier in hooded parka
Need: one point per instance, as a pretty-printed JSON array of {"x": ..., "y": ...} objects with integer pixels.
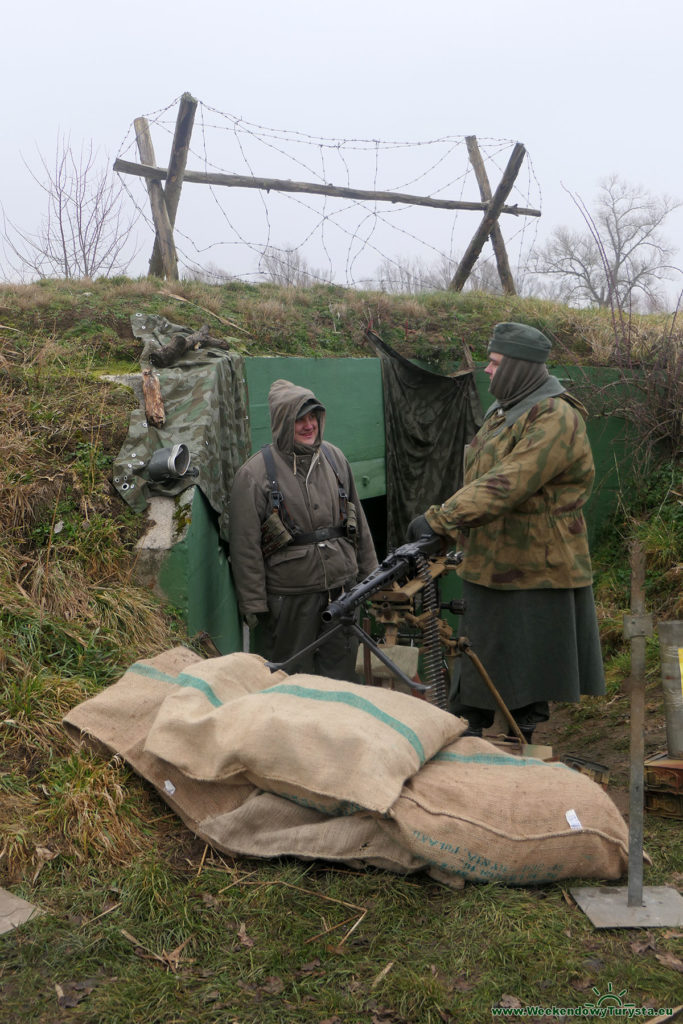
[
  {"x": 298, "y": 536},
  {"x": 527, "y": 578}
]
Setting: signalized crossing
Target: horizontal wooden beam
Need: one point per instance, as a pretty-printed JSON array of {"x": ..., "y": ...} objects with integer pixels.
[{"x": 279, "y": 185}]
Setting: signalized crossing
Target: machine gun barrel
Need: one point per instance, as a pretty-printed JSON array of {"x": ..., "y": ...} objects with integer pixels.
[{"x": 398, "y": 564}]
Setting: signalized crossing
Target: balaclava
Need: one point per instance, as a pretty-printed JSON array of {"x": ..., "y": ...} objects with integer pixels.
[{"x": 522, "y": 369}]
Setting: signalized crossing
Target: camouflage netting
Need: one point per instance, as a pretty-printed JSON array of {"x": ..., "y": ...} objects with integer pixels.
[
  {"x": 206, "y": 408},
  {"x": 428, "y": 420}
]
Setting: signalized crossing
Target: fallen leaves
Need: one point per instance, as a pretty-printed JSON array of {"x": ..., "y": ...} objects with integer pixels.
[
  {"x": 508, "y": 1001},
  {"x": 41, "y": 857},
  {"x": 670, "y": 960},
  {"x": 71, "y": 993},
  {"x": 171, "y": 961},
  {"x": 243, "y": 937}
]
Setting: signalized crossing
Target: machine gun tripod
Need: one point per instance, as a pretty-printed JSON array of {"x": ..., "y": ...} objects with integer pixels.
[{"x": 405, "y": 579}]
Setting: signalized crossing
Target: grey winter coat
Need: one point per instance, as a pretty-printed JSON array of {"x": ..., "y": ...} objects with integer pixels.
[{"x": 311, "y": 496}]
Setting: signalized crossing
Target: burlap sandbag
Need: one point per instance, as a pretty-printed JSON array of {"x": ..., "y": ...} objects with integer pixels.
[
  {"x": 267, "y": 825},
  {"x": 117, "y": 720},
  {"x": 489, "y": 816},
  {"x": 329, "y": 745}
]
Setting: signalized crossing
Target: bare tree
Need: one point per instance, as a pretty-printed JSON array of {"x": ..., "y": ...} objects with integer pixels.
[
  {"x": 404, "y": 276},
  {"x": 412, "y": 276},
  {"x": 210, "y": 273},
  {"x": 85, "y": 231},
  {"x": 287, "y": 267},
  {"x": 622, "y": 255},
  {"x": 484, "y": 278}
]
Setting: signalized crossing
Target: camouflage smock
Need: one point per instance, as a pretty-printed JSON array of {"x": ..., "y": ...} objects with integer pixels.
[
  {"x": 527, "y": 478},
  {"x": 311, "y": 497}
]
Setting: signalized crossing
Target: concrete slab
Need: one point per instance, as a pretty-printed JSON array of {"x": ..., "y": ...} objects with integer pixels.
[
  {"x": 14, "y": 911},
  {"x": 607, "y": 907}
]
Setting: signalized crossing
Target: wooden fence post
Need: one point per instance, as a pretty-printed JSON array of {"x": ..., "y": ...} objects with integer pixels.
[
  {"x": 176, "y": 172},
  {"x": 489, "y": 219},
  {"x": 497, "y": 242},
  {"x": 157, "y": 201}
]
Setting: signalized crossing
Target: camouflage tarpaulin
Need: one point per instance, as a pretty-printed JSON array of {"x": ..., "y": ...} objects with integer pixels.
[
  {"x": 205, "y": 401},
  {"x": 428, "y": 420}
]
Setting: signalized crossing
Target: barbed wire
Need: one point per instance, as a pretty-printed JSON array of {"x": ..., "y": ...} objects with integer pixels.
[{"x": 245, "y": 233}]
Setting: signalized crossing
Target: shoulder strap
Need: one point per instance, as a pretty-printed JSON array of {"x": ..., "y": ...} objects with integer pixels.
[
  {"x": 276, "y": 499},
  {"x": 327, "y": 452}
]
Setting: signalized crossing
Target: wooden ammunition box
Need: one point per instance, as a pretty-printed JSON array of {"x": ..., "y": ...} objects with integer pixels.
[{"x": 664, "y": 786}]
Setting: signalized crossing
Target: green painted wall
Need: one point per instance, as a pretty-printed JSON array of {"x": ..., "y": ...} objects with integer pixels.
[
  {"x": 350, "y": 390},
  {"x": 196, "y": 574},
  {"x": 196, "y": 578}
]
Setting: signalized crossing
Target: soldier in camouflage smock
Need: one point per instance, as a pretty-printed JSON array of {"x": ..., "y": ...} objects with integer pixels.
[{"x": 530, "y": 614}]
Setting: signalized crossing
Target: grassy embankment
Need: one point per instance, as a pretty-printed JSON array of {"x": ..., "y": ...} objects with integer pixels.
[{"x": 142, "y": 923}]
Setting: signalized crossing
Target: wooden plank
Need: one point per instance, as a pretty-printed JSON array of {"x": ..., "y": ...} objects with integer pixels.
[
  {"x": 495, "y": 207},
  {"x": 280, "y": 185},
  {"x": 496, "y": 236},
  {"x": 176, "y": 171},
  {"x": 154, "y": 403},
  {"x": 157, "y": 201}
]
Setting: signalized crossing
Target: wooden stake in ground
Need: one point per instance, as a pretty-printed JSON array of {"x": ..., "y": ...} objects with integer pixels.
[
  {"x": 157, "y": 201},
  {"x": 496, "y": 236},
  {"x": 637, "y": 626},
  {"x": 176, "y": 173},
  {"x": 494, "y": 209}
]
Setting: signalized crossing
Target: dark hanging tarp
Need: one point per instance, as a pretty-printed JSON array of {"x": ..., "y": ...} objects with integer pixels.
[
  {"x": 428, "y": 421},
  {"x": 206, "y": 407}
]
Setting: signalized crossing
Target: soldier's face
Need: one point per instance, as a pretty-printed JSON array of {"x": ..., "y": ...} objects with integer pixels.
[
  {"x": 495, "y": 359},
  {"x": 306, "y": 428}
]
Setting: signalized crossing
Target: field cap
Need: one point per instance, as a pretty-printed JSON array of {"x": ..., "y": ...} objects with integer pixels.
[
  {"x": 309, "y": 405},
  {"x": 519, "y": 341}
]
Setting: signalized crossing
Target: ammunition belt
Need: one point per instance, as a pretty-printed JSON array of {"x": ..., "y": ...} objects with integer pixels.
[{"x": 324, "y": 533}]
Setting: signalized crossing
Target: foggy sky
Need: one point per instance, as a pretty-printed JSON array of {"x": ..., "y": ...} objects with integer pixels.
[{"x": 588, "y": 87}]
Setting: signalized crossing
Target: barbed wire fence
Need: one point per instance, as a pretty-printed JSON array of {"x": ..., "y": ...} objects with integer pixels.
[{"x": 256, "y": 234}]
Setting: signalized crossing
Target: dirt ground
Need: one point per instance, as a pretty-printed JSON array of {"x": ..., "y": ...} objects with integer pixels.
[{"x": 600, "y": 739}]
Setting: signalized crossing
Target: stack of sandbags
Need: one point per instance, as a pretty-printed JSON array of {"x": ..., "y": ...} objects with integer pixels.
[
  {"x": 327, "y": 744},
  {"x": 264, "y": 764},
  {"x": 230, "y": 813}
]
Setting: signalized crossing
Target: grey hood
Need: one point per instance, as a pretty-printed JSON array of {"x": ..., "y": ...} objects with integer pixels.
[{"x": 285, "y": 401}]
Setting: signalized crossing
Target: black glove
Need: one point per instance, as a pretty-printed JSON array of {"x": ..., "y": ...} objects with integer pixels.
[
  {"x": 418, "y": 528},
  {"x": 254, "y": 619}
]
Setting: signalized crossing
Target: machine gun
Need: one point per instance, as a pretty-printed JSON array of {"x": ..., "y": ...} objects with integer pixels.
[
  {"x": 399, "y": 565},
  {"x": 410, "y": 563}
]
